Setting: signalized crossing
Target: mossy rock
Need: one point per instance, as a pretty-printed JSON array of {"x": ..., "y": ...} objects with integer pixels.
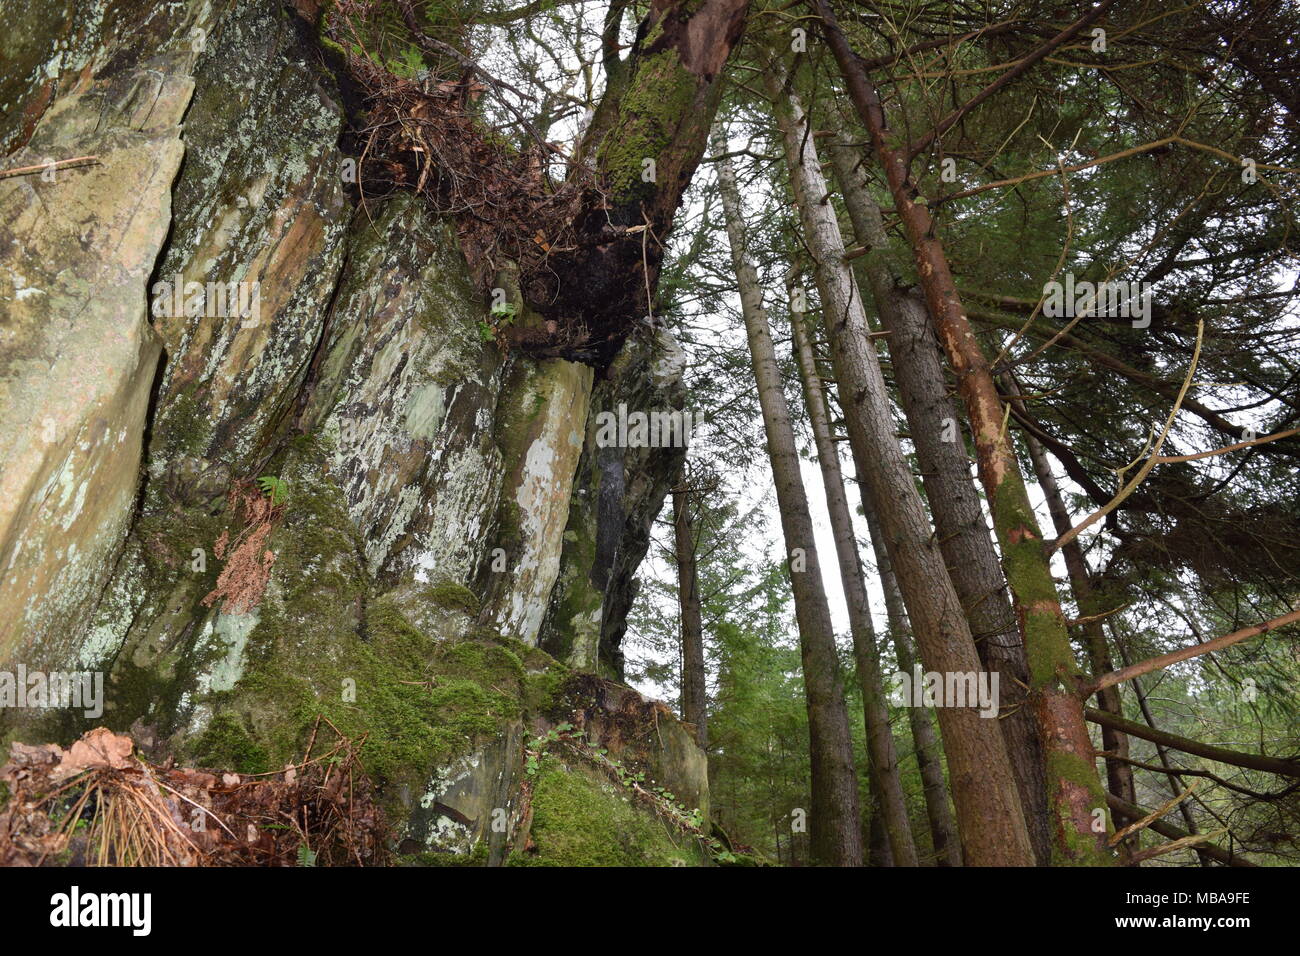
[
  {"x": 226, "y": 745},
  {"x": 581, "y": 819},
  {"x": 454, "y": 597},
  {"x": 476, "y": 857}
]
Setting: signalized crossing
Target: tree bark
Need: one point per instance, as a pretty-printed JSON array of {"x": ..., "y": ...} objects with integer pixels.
[
  {"x": 1074, "y": 791},
  {"x": 834, "y": 824},
  {"x": 694, "y": 696},
  {"x": 929, "y": 756},
  {"x": 878, "y": 852},
  {"x": 964, "y": 536},
  {"x": 989, "y": 816},
  {"x": 1119, "y": 774},
  {"x": 644, "y": 143},
  {"x": 880, "y": 739}
]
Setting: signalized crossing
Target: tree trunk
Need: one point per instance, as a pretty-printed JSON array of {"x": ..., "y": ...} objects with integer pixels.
[
  {"x": 1119, "y": 774},
  {"x": 878, "y": 852},
  {"x": 929, "y": 756},
  {"x": 989, "y": 816},
  {"x": 880, "y": 739},
  {"x": 835, "y": 827},
  {"x": 1074, "y": 792},
  {"x": 963, "y": 532},
  {"x": 694, "y": 696},
  {"x": 644, "y": 143}
]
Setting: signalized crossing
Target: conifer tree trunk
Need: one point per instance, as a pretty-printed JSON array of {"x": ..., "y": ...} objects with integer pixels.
[
  {"x": 835, "y": 827},
  {"x": 694, "y": 696},
  {"x": 989, "y": 816},
  {"x": 945, "y": 471},
  {"x": 1075, "y": 794},
  {"x": 644, "y": 143},
  {"x": 929, "y": 756},
  {"x": 880, "y": 739},
  {"x": 1119, "y": 774},
  {"x": 878, "y": 852}
]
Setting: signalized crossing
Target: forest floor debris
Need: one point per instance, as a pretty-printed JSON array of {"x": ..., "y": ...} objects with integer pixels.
[{"x": 97, "y": 803}]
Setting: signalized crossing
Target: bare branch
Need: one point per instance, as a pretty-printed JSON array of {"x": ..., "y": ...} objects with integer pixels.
[
  {"x": 1216, "y": 853},
  {"x": 1237, "y": 758},
  {"x": 1150, "y": 463},
  {"x": 1186, "y": 653}
]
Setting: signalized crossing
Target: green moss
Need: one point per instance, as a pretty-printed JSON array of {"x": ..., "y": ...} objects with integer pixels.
[
  {"x": 454, "y": 597},
  {"x": 1047, "y": 645},
  {"x": 475, "y": 857},
  {"x": 486, "y": 664},
  {"x": 1072, "y": 848},
  {"x": 659, "y": 96},
  {"x": 185, "y": 428},
  {"x": 324, "y": 646},
  {"x": 543, "y": 689},
  {"x": 581, "y": 821},
  {"x": 226, "y": 745},
  {"x": 419, "y": 702},
  {"x": 579, "y": 600}
]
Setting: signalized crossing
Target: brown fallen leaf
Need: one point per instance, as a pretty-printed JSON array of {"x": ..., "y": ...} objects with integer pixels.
[{"x": 99, "y": 749}]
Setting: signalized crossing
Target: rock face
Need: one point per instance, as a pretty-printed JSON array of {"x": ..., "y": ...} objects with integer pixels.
[
  {"x": 618, "y": 491},
  {"x": 78, "y": 356},
  {"x": 446, "y": 547}
]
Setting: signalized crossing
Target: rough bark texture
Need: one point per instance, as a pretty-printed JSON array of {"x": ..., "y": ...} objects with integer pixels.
[
  {"x": 880, "y": 739},
  {"x": 878, "y": 852},
  {"x": 887, "y": 788},
  {"x": 964, "y": 535},
  {"x": 929, "y": 755},
  {"x": 989, "y": 815},
  {"x": 1074, "y": 791},
  {"x": 834, "y": 825}
]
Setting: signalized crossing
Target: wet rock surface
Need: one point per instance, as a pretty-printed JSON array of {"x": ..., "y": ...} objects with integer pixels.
[{"x": 449, "y": 545}]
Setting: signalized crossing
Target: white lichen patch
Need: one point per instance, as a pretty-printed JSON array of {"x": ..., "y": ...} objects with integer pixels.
[{"x": 230, "y": 632}]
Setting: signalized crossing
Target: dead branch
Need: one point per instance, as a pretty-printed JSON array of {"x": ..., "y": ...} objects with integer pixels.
[{"x": 1186, "y": 653}]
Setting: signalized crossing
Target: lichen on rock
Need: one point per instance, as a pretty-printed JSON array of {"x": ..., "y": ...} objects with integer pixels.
[{"x": 411, "y": 454}]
